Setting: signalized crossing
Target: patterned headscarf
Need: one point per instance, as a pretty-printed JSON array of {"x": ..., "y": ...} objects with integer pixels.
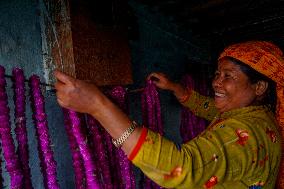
[{"x": 267, "y": 59}]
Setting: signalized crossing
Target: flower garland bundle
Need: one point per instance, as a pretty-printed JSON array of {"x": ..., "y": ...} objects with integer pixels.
[
  {"x": 151, "y": 108},
  {"x": 100, "y": 150},
  {"x": 90, "y": 169},
  {"x": 191, "y": 125},
  {"x": 151, "y": 112},
  {"x": 1, "y": 178},
  {"x": 20, "y": 121},
  {"x": 10, "y": 156},
  {"x": 118, "y": 95},
  {"x": 48, "y": 164},
  {"x": 112, "y": 155},
  {"x": 79, "y": 170}
]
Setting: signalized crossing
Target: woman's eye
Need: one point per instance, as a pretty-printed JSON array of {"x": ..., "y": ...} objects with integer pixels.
[
  {"x": 216, "y": 74},
  {"x": 228, "y": 76}
]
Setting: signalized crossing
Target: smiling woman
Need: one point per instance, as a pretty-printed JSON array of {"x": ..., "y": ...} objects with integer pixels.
[
  {"x": 240, "y": 149},
  {"x": 234, "y": 88}
]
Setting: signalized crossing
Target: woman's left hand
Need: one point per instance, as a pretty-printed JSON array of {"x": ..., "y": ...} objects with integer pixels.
[{"x": 76, "y": 94}]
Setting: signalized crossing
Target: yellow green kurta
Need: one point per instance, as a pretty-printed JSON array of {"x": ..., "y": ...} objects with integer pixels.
[{"x": 239, "y": 149}]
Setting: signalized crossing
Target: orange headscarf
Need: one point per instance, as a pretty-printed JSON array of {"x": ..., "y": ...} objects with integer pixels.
[{"x": 267, "y": 59}]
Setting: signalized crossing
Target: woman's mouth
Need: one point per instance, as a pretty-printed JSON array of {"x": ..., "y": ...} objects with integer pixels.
[{"x": 219, "y": 94}]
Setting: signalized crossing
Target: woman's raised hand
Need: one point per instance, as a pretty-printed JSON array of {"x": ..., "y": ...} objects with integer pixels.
[
  {"x": 161, "y": 81},
  {"x": 76, "y": 94}
]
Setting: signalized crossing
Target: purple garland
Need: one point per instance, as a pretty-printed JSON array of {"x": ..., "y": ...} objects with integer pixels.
[
  {"x": 1, "y": 178},
  {"x": 151, "y": 108},
  {"x": 191, "y": 125},
  {"x": 151, "y": 115},
  {"x": 90, "y": 168},
  {"x": 111, "y": 153},
  {"x": 10, "y": 156},
  {"x": 118, "y": 95},
  {"x": 79, "y": 170},
  {"x": 20, "y": 121},
  {"x": 48, "y": 164},
  {"x": 99, "y": 149}
]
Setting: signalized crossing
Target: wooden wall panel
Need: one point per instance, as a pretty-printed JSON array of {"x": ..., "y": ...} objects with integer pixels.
[
  {"x": 86, "y": 45},
  {"x": 101, "y": 52}
]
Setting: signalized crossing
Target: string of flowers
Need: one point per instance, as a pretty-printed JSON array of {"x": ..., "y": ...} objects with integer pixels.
[
  {"x": 151, "y": 115},
  {"x": 1, "y": 178},
  {"x": 78, "y": 166},
  {"x": 10, "y": 156},
  {"x": 118, "y": 95},
  {"x": 20, "y": 122},
  {"x": 191, "y": 125},
  {"x": 151, "y": 108},
  {"x": 111, "y": 153},
  {"x": 100, "y": 150},
  {"x": 90, "y": 169},
  {"x": 47, "y": 162}
]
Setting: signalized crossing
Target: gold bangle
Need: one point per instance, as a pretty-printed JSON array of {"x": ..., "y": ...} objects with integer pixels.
[{"x": 119, "y": 141}]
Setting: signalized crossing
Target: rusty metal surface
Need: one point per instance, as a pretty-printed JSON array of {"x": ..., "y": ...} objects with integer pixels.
[{"x": 82, "y": 48}]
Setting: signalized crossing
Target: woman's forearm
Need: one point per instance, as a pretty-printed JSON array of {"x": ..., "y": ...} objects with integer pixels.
[
  {"x": 180, "y": 92},
  {"x": 85, "y": 97},
  {"x": 115, "y": 121}
]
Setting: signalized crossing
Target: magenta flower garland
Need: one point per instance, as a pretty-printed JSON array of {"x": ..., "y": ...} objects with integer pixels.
[
  {"x": 191, "y": 125},
  {"x": 47, "y": 162},
  {"x": 151, "y": 115},
  {"x": 100, "y": 150},
  {"x": 79, "y": 170},
  {"x": 10, "y": 156},
  {"x": 118, "y": 95},
  {"x": 1, "y": 178},
  {"x": 151, "y": 108},
  {"x": 20, "y": 122},
  {"x": 90, "y": 168},
  {"x": 113, "y": 160}
]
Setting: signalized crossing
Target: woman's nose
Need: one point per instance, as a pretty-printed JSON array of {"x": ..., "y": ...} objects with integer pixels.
[{"x": 217, "y": 81}]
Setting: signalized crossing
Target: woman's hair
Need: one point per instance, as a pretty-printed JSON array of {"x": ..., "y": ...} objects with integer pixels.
[{"x": 270, "y": 95}]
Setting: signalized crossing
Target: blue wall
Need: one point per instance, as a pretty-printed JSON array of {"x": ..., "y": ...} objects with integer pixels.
[{"x": 20, "y": 46}]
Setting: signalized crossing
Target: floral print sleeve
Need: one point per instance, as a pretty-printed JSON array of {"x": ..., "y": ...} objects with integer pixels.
[
  {"x": 201, "y": 106},
  {"x": 229, "y": 154}
]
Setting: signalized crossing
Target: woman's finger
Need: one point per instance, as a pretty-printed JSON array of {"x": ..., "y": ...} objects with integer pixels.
[
  {"x": 59, "y": 85},
  {"x": 60, "y": 76},
  {"x": 154, "y": 76}
]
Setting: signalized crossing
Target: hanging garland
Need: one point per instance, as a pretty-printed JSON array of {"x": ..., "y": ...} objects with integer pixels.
[
  {"x": 99, "y": 148},
  {"x": 47, "y": 162},
  {"x": 10, "y": 156},
  {"x": 78, "y": 166},
  {"x": 92, "y": 180},
  {"x": 20, "y": 122},
  {"x": 118, "y": 95},
  {"x": 1, "y": 178},
  {"x": 191, "y": 125},
  {"x": 151, "y": 115}
]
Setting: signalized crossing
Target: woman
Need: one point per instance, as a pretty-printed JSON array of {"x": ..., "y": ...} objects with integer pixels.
[{"x": 241, "y": 148}]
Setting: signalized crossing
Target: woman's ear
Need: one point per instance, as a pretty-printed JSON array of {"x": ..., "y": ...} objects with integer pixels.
[{"x": 261, "y": 87}]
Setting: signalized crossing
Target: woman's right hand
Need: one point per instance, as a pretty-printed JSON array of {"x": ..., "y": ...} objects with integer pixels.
[{"x": 161, "y": 81}]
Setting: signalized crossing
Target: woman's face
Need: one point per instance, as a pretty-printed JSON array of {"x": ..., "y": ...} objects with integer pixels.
[{"x": 232, "y": 87}]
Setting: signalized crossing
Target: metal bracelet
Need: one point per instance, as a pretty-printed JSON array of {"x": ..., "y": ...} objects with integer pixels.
[{"x": 119, "y": 141}]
